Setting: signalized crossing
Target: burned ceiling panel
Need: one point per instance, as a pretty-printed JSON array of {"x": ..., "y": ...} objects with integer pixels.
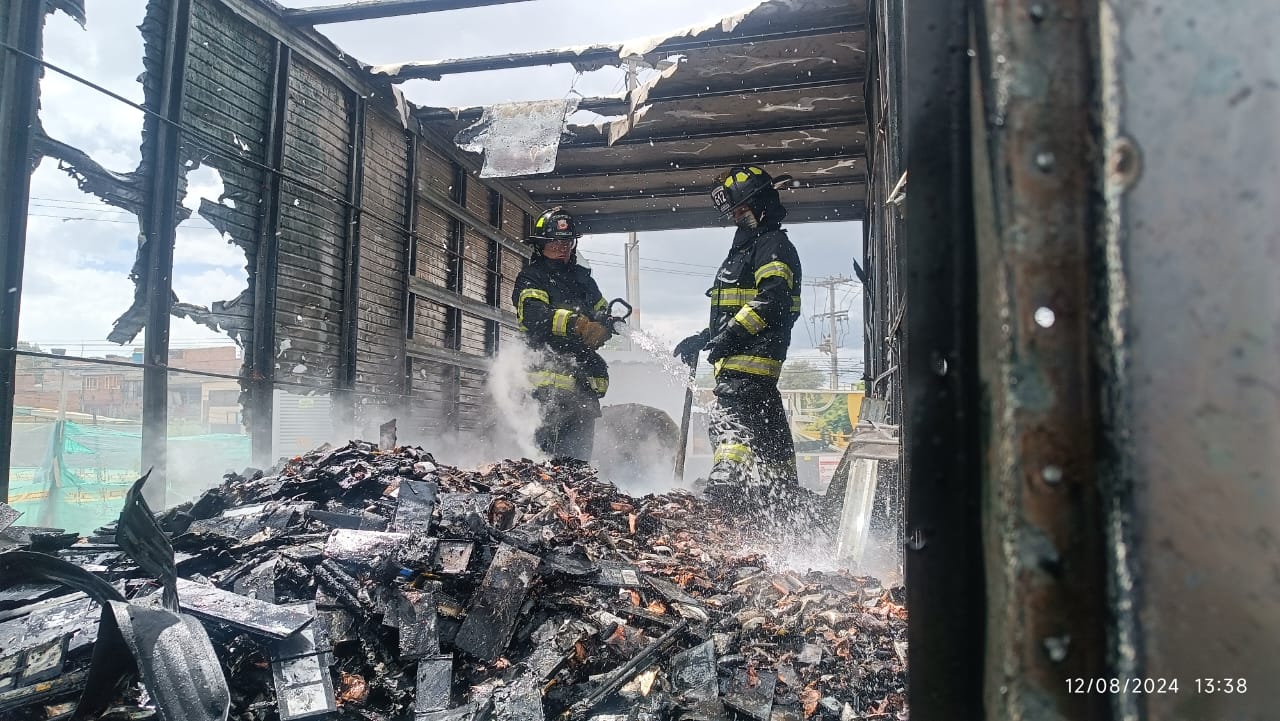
[{"x": 779, "y": 85}]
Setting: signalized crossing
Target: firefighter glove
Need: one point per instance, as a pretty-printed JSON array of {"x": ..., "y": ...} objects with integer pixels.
[
  {"x": 687, "y": 349},
  {"x": 593, "y": 334},
  {"x": 726, "y": 343}
]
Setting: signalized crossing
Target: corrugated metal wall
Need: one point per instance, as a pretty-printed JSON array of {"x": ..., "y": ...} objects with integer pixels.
[
  {"x": 423, "y": 361},
  {"x": 312, "y": 241},
  {"x": 384, "y": 239},
  {"x": 226, "y": 112}
]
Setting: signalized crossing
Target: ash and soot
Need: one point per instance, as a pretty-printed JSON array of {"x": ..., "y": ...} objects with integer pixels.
[{"x": 359, "y": 583}]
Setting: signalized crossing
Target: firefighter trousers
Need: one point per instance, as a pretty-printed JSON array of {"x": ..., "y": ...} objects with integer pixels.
[
  {"x": 749, "y": 430},
  {"x": 568, "y": 424}
]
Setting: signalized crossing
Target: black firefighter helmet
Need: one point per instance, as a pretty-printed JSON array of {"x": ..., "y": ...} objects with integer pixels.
[
  {"x": 751, "y": 186},
  {"x": 554, "y": 224}
]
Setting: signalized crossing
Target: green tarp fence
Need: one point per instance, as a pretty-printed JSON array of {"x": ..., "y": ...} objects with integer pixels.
[{"x": 74, "y": 476}]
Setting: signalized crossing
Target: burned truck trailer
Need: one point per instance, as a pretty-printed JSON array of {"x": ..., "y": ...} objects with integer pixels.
[{"x": 1084, "y": 398}]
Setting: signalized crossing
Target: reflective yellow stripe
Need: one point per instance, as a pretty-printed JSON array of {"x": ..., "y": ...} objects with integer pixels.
[
  {"x": 549, "y": 379},
  {"x": 599, "y": 385},
  {"x": 732, "y": 297},
  {"x": 795, "y": 304},
  {"x": 748, "y": 318},
  {"x": 601, "y": 304},
  {"x": 754, "y": 365},
  {"x": 734, "y": 453},
  {"x": 526, "y": 294},
  {"x": 560, "y": 322},
  {"x": 778, "y": 268}
]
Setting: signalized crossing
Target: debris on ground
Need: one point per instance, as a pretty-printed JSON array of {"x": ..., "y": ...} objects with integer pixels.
[{"x": 360, "y": 583}]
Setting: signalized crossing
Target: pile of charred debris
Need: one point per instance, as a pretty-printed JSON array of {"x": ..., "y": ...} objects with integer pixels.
[{"x": 359, "y": 583}]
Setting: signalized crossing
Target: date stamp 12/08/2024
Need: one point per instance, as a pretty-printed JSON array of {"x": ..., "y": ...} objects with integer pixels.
[{"x": 1155, "y": 686}]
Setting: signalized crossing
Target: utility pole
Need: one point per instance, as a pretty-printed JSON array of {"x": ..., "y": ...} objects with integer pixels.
[
  {"x": 831, "y": 344},
  {"x": 631, "y": 263}
]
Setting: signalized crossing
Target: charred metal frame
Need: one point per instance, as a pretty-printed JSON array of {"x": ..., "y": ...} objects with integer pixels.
[
  {"x": 616, "y": 106},
  {"x": 19, "y": 82},
  {"x": 351, "y": 250},
  {"x": 370, "y": 9},
  {"x": 1037, "y": 176},
  {"x": 944, "y": 568},
  {"x": 599, "y": 55},
  {"x": 160, "y": 236},
  {"x": 263, "y": 369},
  {"x": 410, "y": 258}
]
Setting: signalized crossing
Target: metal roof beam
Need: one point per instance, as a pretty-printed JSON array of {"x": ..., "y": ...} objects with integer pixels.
[
  {"x": 352, "y": 11},
  {"x": 597, "y": 224},
  {"x": 596, "y": 55},
  {"x": 730, "y": 132},
  {"x": 619, "y": 106},
  {"x": 608, "y": 196},
  {"x": 788, "y": 156}
]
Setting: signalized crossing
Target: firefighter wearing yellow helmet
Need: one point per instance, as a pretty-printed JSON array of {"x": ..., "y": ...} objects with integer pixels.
[
  {"x": 556, "y": 302},
  {"x": 754, "y": 303}
]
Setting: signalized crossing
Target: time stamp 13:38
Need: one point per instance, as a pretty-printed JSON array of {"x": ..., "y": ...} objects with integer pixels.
[{"x": 1111, "y": 685}]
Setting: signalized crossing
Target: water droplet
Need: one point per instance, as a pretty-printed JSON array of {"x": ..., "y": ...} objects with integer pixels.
[
  {"x": 1037, "y": 12},
  {"x": 971, "y": 53},
  {"x": 940, "y": 366},
  {"x": 1044, "y": 161},
  {"x": 1051, "y": 474},
  {"x": 1045, "y": 317},
  {"x": 916, "y": 541},
  {"x": 1057, "y": 647}
]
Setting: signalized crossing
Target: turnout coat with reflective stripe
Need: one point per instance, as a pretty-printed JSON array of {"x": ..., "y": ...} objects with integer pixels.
[
  {"x": 547, "y": 295},
  {"x": 757, "y": 289}
]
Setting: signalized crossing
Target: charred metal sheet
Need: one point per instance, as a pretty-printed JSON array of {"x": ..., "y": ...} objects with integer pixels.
[
  {"x": 23, "y": 593},
  {"x": 303, "y": 685},
  {"x": 8, "y": 514},
  {"x": 462, "y": 713},
  {"x": 140, "y": 536},
  {"x": 127, "y": 191},
  {"x": 454, "y": 557},
  {"x": 249, "y": 614},
  {"x": 463, "y": 513},
  {"x": 616, "y": 574},
  {"x": 416, "y": 616},
  {"x": 493, "y": 612},
  {"x": 43, "y": 661},
  {"x": 518, "y": 701},
  {"x": 415, "y": 505},
  {"x": 40, "y": 621},
  {"x": 518, "y": 138},
  {"x": 434, "y": 684},
  {"x": 751, "y": 693},
  {"x": 173, "y": 655},
  {"x": 259, "y": 583},
  {"x": 364, "y": 552},
  {"x": 694, "y": 674},
  {"x": 60, "y": 687}
]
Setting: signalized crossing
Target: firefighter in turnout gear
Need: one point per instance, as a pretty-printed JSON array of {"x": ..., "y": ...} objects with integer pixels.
[
  {"x": 556, "y": 303},
  {"x": 754, "y": 303}
]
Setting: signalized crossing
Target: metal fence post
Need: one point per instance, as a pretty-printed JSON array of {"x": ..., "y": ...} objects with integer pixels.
[
  {"x": 19, "y": 88},
  {"x": 161, "y": 231}
]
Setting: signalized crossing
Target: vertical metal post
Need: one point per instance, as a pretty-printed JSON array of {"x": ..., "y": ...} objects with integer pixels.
[
  {"x": 161, "y": 231},
  {"x": 945, "y": 575},
  {"x": 19, "y": 86},
  {"x": 632, "y": 258},
  {"x": 263, "y": 358},
  {"x": 410, "y": 259},
  {"x": 351, "y": 280}
]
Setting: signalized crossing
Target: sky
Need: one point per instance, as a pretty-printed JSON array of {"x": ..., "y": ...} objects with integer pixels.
[{"x": 79, "y": 251}]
